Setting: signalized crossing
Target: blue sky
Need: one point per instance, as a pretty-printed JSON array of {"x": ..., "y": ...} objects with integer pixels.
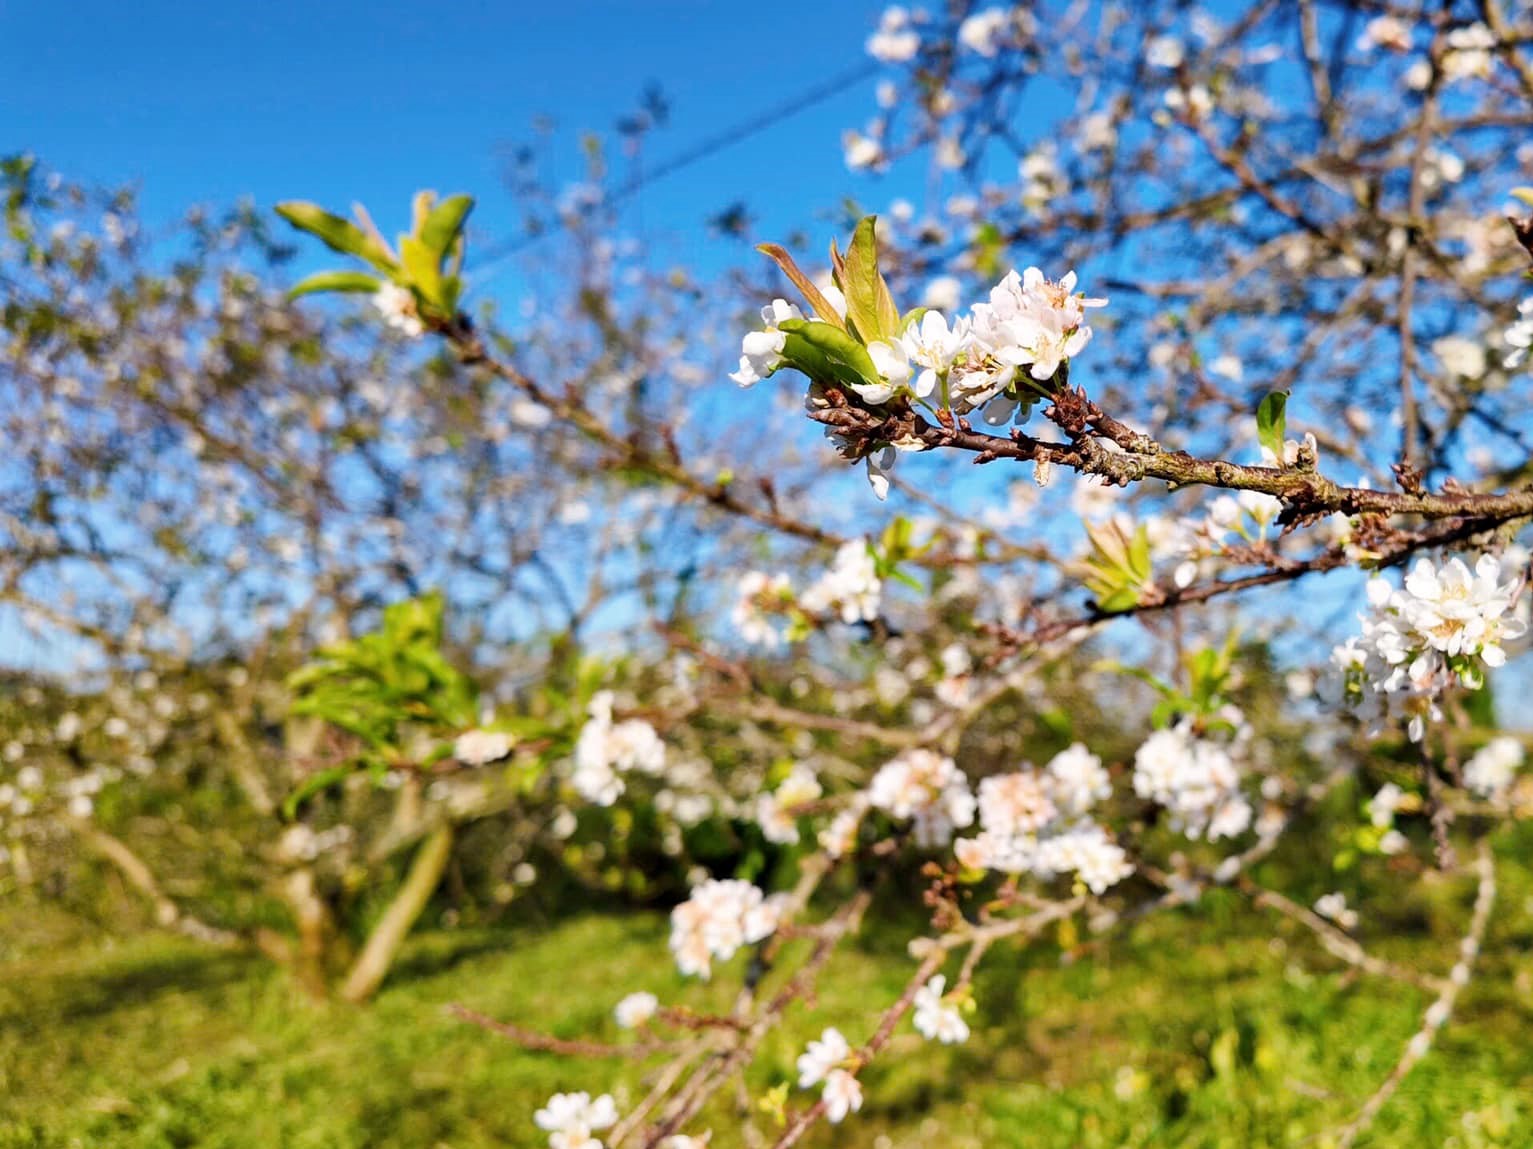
[{"x": 202, "y": 103}]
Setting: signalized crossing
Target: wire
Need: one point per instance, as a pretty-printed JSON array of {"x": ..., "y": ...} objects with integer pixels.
[{"x": 708, "y": 147}]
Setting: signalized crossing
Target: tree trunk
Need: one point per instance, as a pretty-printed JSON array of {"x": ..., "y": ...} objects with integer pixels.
[
  {"x": 314, "y": 931},
  {"x": 390, "y": 932}
]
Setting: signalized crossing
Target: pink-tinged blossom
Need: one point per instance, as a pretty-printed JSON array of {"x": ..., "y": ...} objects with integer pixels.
[
  {"x": 720, "y": 917},
  {"x": 927, "y": 789}
]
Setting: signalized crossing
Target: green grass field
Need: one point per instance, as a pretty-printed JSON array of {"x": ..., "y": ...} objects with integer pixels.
[{"x": 1197, "y": 1029}]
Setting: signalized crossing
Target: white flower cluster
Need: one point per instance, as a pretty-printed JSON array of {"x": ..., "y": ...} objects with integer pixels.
[
  {"x": 1519, "y": 336},
  {"x": 937, "y": 1019},
  {"x": 761, "y": 351},
  {"x": 824, "y": 1061},
  {"x": 397, "y": 306},
  {"x": 606, "y": 750},
  {"x": 1494, "y": 767},
  {"x": 636, "y": 1009},
  {"x": 572, "y": 1120},
  {"x": 1444, "y": 625},
  {"x": 1334, "y": 907},
  {"x": 719, "y": 918},
  {"x": 775, "y": 811},
  {"x": 895, "y": 41},
  {"x": 1196, "y": 779},
  {"x": 928, "y": 789},
  {"x": 1032, "y": 823},
  {"x": 1382, "y": 808},
  {"x": 851, "y": 587},
  {"x": 758, "y": 611},
  {"x": 1470, "y": 55},
  {"x": 998, "y": 358},
  {"x": 481, "y": 747}
]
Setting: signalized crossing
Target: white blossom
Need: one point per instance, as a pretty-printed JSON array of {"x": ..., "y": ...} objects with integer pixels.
[
  {"x": 719, "y": 918},
  {"x": 635, "y": 1009},
  {"x": 397, "y": 306},
  {"x": 982, "y": 32},
  {"x": 572, "y": 1119},
  {"x": 761, "y": 351},
  {"x": 842, "y": 1095},
  {"x": 480, "y": 747},
  {"x": 775, "y": 811},
  {"x": 1494, "y": 766},
  {"x": 822, "y": 1056},
  {"x": 936, "y": 1019},
  {"x": 1196, "y": 779},
  {"x": 1079, "y": 780},
  {"x": 851, "y": 587},
  {"x": 606, "y": 750},
  {"x": 926, "y": 788},
  {"x": 755, "y": 594},
  {"x": 1334, "y": 907},
  {"x": 895, "y": 41}
]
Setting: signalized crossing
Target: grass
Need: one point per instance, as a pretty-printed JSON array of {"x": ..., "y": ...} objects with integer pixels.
[{"x": 1213, "y": 1028}]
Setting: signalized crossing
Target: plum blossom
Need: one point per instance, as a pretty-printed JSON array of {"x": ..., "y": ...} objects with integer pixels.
[
  {"x": 1026, "y": 827},
  {"x": 860, "y": 151},
  {"x": 1493, "y": 768},
  {"x": 761, "y": 351},
  {"x": 936, "y": 1019},
  {"x": 572, "y": 1119},
  {"x": 982, "y": 32},
  {"x": 926, "y": 788},
  {"x": 825, "y": 1061},
  {"x": 933, "y": 346},
  {"x": 838, "y": 838},
  {"x": 1079, "y": 780},
  {"x": 1443, "y": 626},
  {"x": 1334, "y": 907},
  {"x": 1017, "y": 803},
  {"x": 1519, "y": 336},
  {"x": 893, "y": 364},
  {"x": 1383, "y": 806},
  {"x": 842, "y": 1095},
  {"x": 822, "y": 1056},
  {"x": 1385, "y": 32},
  {"x": 775, "y": 811},
  {"x": 1084, "y": 849},
  {"x": 480, "y": 747},
  {"x": 606, "y": 750},
  {"x": 719, "y": 918},
  {"x": 753, "y": 614},
  {"x": 397, "y": 306},
  {"x": 895, "y": 41},
  {"x": 1196, "y": 779},
  {"x": 851, "y": 587},
  {"x": 636, "y": 1009},
  {"x": 1165, "y": 52}
]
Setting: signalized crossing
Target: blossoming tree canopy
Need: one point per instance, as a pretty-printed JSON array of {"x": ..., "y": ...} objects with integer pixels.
[{"x": 1037, "y": 700}]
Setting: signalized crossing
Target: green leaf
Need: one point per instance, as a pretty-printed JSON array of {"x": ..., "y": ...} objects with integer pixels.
[
  {"x": 445, "y": 221},
  {"x": 869, "y": 306},
  {"x": 423, "y": 267},
  {"x": 827, "y": 353},
  {"x": 314, "y": 784},
  {"x": 338, "y": 234},
  {"x": 812, "y": 294},
  {"x": 912, "y": 318},
  {"x": 357, "y": 281},
  {"x": 1272, "y": 423}
]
